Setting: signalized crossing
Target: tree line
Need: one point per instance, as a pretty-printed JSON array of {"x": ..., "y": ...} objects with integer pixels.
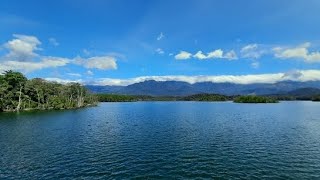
[{"x": 17, "y": 93}]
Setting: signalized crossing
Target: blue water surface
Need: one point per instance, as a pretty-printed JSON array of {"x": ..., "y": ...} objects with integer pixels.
[{"x": 164, "y": 140}]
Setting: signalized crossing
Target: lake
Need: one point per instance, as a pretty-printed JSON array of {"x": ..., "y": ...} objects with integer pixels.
[{"x": 164, "y": 140}]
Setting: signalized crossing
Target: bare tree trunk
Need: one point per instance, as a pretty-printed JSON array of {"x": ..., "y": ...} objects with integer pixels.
[
  {"x": 38, "y": 98},
  {"x": 79, "y": 97},
  {"x": 19, "y": 104}
]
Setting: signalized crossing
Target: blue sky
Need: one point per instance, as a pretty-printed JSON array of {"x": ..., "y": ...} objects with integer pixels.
[{"x": 120, "y": 42}]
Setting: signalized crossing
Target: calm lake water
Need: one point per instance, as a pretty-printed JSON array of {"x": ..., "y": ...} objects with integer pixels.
[{"x": 168, "y": 140}]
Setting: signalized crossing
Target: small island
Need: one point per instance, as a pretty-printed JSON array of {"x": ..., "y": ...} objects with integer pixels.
[
  {"x": 316, "y": 99},
  {"x": 205, "y": 97},
  {"x": 17, "y": 93},
  {"x": 254, "y": 99}
]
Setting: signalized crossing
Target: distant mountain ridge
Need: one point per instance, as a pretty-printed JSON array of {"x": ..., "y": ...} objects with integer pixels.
[{"x": 178, "y": 88}]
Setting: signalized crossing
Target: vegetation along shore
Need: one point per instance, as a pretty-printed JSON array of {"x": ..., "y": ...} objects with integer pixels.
[{"x": 17, "y": 93}]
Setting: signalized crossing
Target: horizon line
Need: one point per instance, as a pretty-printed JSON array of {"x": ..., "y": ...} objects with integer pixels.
[{"x": 268, "y": 78}]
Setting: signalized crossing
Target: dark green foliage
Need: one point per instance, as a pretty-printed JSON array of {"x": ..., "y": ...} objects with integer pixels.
[
  {"x": 18, "y": 93},
  {"x": 132, "y": 98},
  {"x": 254, "y": 99},
  {"x": 316, "y": 98},
  {"x": 116, "y": 98},
  {"x": 206, "y": 97}
]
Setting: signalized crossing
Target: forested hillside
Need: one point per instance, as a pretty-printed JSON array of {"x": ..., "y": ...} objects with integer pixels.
[{"x": 18, "y": 93}]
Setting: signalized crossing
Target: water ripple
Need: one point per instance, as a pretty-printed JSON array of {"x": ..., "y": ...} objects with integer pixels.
[{"x": 164, "y": 140}]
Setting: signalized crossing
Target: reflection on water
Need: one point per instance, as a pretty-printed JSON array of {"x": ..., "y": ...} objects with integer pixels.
[{"x": 164, "y": 140}]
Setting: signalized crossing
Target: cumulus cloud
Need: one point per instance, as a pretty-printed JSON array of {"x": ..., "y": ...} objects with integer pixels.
[
  {"x": 22, "y": 56},
  {"x": 216, "y": 54},
  {"x": 251, "y": 51},
  {"x": 160, "y": 36},
  {"x": 183, "y": 55},
  {"x": 297, "y": 75},
  {"x": 98, "y": 62},
  {"x": 29, "y": 66},
  {"x": 53, "y": 41},
  {"x": 22, "y": 47},
  {"x": 200, "y": 55},
  {"x": 299, "y": 52}
]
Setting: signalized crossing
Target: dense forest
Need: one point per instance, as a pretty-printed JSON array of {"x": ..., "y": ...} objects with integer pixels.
[
  {"x": 254, "y": 99},
  {"x": 17, "y": 93},
  {"x": 205, "y": 97},
  {"x": 133, "y": 98},
  {"x": 316, "y": 98}
]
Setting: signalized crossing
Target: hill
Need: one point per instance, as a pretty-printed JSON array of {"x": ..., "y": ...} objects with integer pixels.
[{"x": 177, "y": 88}]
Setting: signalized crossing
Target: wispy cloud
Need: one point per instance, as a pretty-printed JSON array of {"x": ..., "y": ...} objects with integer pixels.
[
  {"x": 255, "y": 64},
  {"x": 53, "y": 42},
  {"x": 160, "y": 36},
  {"x": 14, "y": 20},
  {"x": 86, "y": 52},
  {"x": 252, "y": 51},
  {"x": 74, "y": 74},
  {"x": 299, "y": 52},
  {"x": 159, "y": 51},
  {"x": 89, "y": 73}
]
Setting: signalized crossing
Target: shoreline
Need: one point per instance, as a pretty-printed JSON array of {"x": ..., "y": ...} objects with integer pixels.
[
  {"x": 94, "y": 105},
  {"x": 49, "y": 109}
]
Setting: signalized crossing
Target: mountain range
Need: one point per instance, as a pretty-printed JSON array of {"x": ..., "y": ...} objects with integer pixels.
[{"x": 178, "y": 88}]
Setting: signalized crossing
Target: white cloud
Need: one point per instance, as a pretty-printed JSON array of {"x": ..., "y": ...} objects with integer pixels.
[
  {"x": 183, "y": 55},
  {"x": 22, "y": 47},
  {"x": 89, "y": 73},
  {"x": 251, "y": 51},
  {"x": 160, "y": 51},
  {"x": 26, "y": 67},
  {"x": 98, "y": 62},
  {"x": 64, "y": 81},
  {"x": 255, "y": 65},
  {"x": 160, "y": 36},
  {"x": 53, "y": 41},
  {"x": 231, "y": 55},
  {"x": 216, "y": 54},
  {"x": 249, "y": 47},
  {"x": 296, "y": 75},
  {"x": 74, "y": 74},
  {"x": 22, "y": 57},
  {"x": 299, "y": 52},
  {"x": 200, "y": 55}
]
